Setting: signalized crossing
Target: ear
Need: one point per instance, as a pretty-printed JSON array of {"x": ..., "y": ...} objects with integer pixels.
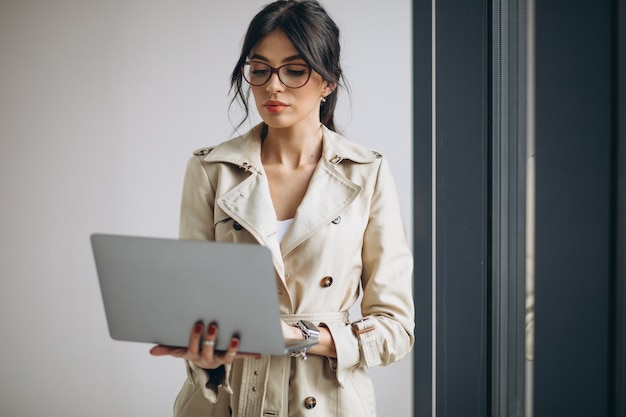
[{"x": 328, "y": 88}]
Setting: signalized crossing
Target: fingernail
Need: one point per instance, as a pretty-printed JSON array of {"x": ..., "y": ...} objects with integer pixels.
[
  {"x": 234, "y": 343},
  {"x": 212, "y": 329},
  {"x": 198, "y": 327}
]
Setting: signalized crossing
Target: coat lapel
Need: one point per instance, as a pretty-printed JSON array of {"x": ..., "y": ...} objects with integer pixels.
[
  {"x": 328, "y": 194},
  {"x": 249, "y": 203},
  {"x": 329, "y": 191}
]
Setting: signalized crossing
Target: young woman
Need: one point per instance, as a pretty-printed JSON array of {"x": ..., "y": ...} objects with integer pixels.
[{"x": 328, "y": 211}]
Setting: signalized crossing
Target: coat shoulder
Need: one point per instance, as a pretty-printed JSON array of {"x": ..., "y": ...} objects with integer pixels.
[
  {"x": 203, "y": 151},
  {"x": 345, "y": 149}
]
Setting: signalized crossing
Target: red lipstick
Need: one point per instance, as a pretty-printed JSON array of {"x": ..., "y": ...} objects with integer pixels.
[{"x": 274, "y": 106}]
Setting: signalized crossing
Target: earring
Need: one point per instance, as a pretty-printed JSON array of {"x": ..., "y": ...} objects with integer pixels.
[{"x": 323, "y": 99}]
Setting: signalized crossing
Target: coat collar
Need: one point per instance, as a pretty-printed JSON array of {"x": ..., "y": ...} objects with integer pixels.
[
  {"x": 328, "y": 194},
  {"x": 245, "y": 150}
]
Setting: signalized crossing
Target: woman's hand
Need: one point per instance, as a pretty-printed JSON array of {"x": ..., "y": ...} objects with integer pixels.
[
  {"x": 290, "y": 332},
  {"x": 204, "y": 357},
  {"x": 325, "y": 346}
]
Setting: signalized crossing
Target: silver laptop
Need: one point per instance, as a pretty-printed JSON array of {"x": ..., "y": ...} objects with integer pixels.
[{"x": 154, "y": 290}]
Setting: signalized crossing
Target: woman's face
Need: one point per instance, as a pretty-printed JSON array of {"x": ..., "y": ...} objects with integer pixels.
[{"x": 278, "y": 105}]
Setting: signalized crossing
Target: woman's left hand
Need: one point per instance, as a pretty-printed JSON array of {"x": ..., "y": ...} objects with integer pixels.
[{"x": 204, "y": 357}]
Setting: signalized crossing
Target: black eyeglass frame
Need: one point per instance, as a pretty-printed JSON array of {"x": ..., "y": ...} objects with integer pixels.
[{"x": 275, "y": 71}]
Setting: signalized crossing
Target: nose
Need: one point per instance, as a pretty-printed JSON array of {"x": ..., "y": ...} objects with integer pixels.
[{"x": 274, "y": 84}]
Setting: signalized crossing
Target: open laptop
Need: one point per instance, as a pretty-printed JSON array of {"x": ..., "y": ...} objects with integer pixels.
[{"x": 154, "y": 290}]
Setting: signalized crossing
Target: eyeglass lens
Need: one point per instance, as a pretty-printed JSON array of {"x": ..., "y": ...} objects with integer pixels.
[{"x": 292, "y": 75}]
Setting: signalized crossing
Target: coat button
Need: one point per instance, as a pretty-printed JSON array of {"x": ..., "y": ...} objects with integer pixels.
[
  {"x": 237, "y": 226},
  {"x": 327, "y": 282},
  {"x": 337, "y": 220},
  {"x": 309, "y": 402}
]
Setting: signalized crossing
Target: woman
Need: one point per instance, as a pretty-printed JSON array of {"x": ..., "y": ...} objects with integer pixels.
[{"x": 329, "y": 213}]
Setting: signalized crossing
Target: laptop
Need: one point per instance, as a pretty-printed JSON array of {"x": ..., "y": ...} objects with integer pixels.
[{"x": 154, "y": 290}]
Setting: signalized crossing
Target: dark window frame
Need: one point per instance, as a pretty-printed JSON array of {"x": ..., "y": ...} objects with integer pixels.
[{"x": 460, "y": 251}]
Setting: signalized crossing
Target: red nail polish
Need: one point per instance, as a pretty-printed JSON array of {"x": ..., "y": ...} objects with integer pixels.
[
  {"x": 234, "y": 343},
  {"x": 212, "y": 330},
  {"x": 197, "y": 328}
]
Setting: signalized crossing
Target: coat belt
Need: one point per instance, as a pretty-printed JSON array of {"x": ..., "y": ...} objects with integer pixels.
[{"x": 316, "y": 318}]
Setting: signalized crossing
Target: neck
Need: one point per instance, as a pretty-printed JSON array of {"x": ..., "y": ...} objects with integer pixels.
[{"x": 293, "y": 147}]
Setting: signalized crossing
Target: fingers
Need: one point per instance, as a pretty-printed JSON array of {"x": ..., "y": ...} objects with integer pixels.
[
  {"x": 210, "y": 356},
  {"x": 203, "y": 354},
  {"x": 208, "y": 347},
  {"x": 158, "y": 350},
  {"x": 231, "y": 352},
  {"x": 194, "y": 339},
  {"x": 161, "y": 350}
]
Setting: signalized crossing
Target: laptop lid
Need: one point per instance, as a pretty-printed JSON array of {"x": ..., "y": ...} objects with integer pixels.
[{"x": 154, "y": 290}]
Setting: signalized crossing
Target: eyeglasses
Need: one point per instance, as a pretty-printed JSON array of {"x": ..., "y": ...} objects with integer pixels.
[{"x": 291, "y": 75}]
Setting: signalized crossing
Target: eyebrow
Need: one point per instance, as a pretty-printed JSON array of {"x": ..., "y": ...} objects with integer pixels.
[{"x": 288, "y": 59}]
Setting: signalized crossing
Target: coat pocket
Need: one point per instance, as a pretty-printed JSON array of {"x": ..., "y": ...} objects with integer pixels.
[{"x": 357, "y": 396}]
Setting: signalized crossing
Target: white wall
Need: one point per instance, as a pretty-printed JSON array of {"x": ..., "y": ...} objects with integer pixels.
[{"x": 101, "y": 104}]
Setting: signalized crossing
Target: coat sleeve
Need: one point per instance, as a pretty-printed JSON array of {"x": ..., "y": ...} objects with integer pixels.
[
  {"x": 387, "y": 302},
  {"x": 196, "y": 208},
  {"x": 196, "y": 222}
]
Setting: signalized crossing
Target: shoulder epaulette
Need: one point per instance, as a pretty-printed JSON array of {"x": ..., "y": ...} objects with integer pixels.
[{"x": 203, "y": 151}]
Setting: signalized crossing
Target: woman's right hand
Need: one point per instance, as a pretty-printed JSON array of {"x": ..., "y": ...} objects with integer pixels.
[{"x": 206, "y": 356}]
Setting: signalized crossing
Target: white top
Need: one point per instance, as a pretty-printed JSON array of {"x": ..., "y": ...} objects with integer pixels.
[{"x": 281, "y": 228}]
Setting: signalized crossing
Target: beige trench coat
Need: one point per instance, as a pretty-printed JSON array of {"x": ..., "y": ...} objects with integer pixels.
[{"x": 347, "y": 237}]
